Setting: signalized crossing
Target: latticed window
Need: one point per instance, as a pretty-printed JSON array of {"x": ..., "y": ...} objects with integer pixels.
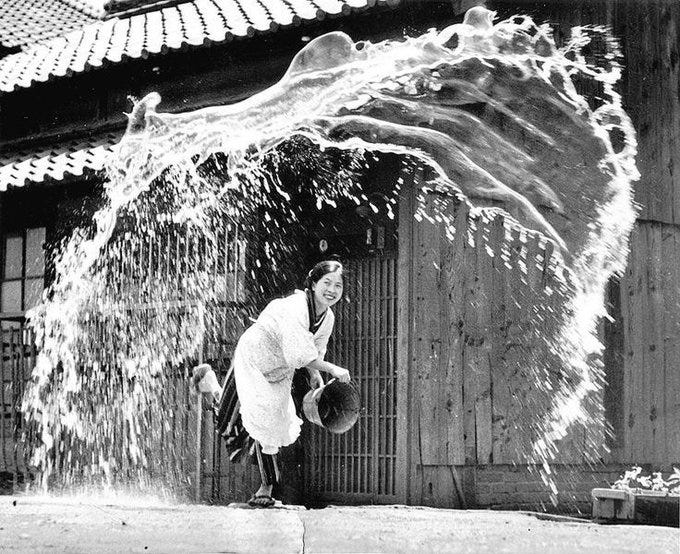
[
  {"x": 23, "y": 277},
  {"x": 23, "y": 281}
]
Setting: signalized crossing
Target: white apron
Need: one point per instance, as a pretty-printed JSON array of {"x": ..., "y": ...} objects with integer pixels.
[{"x": 266, "y": 357}]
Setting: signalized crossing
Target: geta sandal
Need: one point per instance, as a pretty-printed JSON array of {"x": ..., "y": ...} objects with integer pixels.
[{"x": 261, "y": 501}]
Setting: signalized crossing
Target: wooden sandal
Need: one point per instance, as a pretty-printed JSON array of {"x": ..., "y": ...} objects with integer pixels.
[{"x": 261, "y": 501}]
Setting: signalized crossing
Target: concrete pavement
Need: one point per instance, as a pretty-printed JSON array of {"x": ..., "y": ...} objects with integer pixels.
[{"x": 89, "y": 524}]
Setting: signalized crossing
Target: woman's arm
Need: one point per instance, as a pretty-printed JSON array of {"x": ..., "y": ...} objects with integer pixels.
[
  {"x": 340, "y": 373},
  {"x": 314, "y": 378}
]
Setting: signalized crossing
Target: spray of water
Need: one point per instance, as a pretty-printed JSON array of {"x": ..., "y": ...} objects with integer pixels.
[{"x": 492, "y": 114}]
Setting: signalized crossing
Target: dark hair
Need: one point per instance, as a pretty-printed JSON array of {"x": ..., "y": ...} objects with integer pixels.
[{"x": 320, "y": 269}]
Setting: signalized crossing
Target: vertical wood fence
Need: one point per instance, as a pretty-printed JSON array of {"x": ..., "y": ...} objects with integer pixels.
[
  {"x": 651, "y": 384},
  {"x": 486, "y": 304},
  {"x": 650, "y": 287}
]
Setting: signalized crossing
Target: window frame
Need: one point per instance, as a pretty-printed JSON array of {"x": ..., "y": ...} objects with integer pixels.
[{"x": 25, "y": 277}]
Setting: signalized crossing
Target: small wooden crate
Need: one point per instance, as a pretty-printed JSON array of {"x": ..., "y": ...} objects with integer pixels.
[{"x": 613, "y": 504}]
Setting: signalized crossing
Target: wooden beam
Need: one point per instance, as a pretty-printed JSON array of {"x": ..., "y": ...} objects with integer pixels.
[
  {"x": 454, "y": 275},
  {"x": 404, "y": 467}
]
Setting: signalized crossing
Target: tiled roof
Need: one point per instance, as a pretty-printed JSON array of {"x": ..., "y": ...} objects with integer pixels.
[
  {"x": 188, "y": 24},
  {"x": 71, "y": 158},
  {"x": 25, "y": 22}
]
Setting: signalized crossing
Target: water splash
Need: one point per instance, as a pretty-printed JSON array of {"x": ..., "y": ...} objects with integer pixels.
[{"x": 490, "y": 114}]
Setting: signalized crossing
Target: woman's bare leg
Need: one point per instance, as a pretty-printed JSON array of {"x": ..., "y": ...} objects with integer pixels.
[{"x": 269, "y": 475}]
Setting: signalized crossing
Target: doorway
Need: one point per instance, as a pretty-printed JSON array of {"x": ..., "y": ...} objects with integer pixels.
[{"x": 359, "y": 466}]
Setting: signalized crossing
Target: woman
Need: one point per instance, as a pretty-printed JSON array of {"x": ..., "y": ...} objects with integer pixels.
[{"x": 290, "y": 333}]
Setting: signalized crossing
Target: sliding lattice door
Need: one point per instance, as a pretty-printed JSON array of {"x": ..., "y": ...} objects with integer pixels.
[{"x": 359, "y": 466}]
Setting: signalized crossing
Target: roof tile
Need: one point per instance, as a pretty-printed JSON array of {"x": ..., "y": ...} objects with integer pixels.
[
  {"x": 238, "y": 24},
  {"x": 26, "y": 22},
  {"x": 258, "y": 16},
  {"x": 136, "y": 37},
  {"x": 305, "y": 9},
  {"x": 281, "y": 11},
  {"x": 332, "y": 7},
  {"x": 191, "y": 23},
  {"x": 82, "y": 55},
  {"x": 215, "y": 24},
  {"x": 100, "y": 42},
  {"x": 195, "y": 31},
  {"x": 118, "y": 40},
  {"x": 154, "y": 33},
  {"x": 56, "y": 161},
  {"x": 172, "y": 29}
]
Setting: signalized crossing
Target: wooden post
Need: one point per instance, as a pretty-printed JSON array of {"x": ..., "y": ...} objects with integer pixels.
[
  {"x": 403, "y": 467},
  {"x": 199, "y": 433}
]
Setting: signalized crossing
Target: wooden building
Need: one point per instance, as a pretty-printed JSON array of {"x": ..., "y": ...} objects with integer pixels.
[{"x": 434, "y": 340}]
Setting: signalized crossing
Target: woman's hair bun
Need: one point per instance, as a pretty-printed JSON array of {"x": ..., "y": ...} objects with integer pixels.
[{"x": 320, "y": 269}]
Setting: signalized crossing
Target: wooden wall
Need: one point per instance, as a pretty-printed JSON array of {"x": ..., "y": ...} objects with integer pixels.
[
  {"x": 650, "y": 33},
  {"x": 642, "y": 357},
  {"x": 650, "y": 287},
  {"x": 650, "y": 292},
  {"x": 484, "y": 307}
]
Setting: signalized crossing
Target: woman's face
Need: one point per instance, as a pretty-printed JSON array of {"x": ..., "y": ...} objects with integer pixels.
[{"x": 328, "y": 289}]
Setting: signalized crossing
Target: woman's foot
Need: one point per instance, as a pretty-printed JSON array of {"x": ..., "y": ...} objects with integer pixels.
[
  {"x": 204, "y": 380},
  {"x": 262, "y": 498}
]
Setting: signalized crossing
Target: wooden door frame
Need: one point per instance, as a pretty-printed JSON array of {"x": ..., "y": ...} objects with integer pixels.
[{"x": 404, "y": 472}]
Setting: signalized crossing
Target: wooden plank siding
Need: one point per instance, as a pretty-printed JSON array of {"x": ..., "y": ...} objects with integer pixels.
[
  {"x": 432, "y": 389},
  {"x": 485, "y": 304},
  {"x": 649, "y": 32},
  {"x": 651, "y": 307},
  {"x": 641, "y": 360},
  {"x": 650, "y": 288},
  {"x": 405, "y": 339}
]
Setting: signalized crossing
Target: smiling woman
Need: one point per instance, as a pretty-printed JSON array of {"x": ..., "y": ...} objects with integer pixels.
[
  {"x": 325, "y": 280},
  {"x": 256, "y": 401}
]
